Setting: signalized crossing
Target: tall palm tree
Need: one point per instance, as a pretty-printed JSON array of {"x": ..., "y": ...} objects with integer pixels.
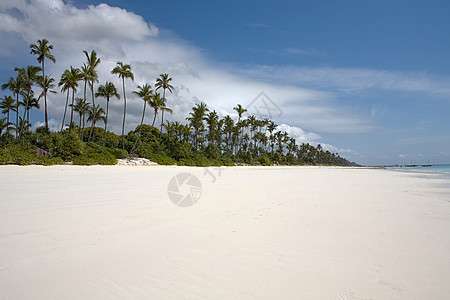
[
  {"x": 155, "y": 102},
  {"x": 75, "y": 76},
  {"x": 82, "y": 108},
  {"x": 107, "y": 91},
  {"x": 29, "y": 76},
  {"x": 92, "y": 77},
  {"x": 69, "y": 81},
  {"x": 163, "y": 82},
  {"x": 124, "y": 71},
  {"x": 145, "y": 92},
  {"x": 163, "y": 109},
  {"x": 15, "y": 86},
  {"x": 42, "y": 50},
  {"x": 84, "y": 73},
  {"x": 7, "y": 105},
  {"x": 96, "y": 113}
]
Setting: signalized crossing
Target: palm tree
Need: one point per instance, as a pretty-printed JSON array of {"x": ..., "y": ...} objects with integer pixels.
[
  {"x": 163, "y": 82},
  {"x": 124, "y": 71},
  {"x": 32, "y": 103},
  {"x": 29, "y": 77},
  {"x": 82, "y": 108},
  {"x": 146, "y": 93},
  {"x": 47, "y": 85},
  {"x": 15, "y": 86},
  {"x": 7, "y": 105},
  {"x": 4, "y": 124},
  {"x": 240, "y": 110},
  {"x": 155, "y": 102},
  {"x": 78, "y": 108},
  {"x": 163, "y": 108},
  {"x": 96, "y": 113},
  {"x": 92, "y": 77},
  {"x": 212, "y": 120},
  {"x": 107, "y": 91},
  {"x": 69, "y": 81},
  {"x": 42, "y": 50},
  {"x": 196, "y": 120}
]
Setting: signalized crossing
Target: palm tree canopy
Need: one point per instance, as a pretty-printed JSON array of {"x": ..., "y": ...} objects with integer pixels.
[
  {"x": 7, "y": 104},
  {"x": 144, "y": 91},
  {"x": 47, "y": 84},
  {"x": 96, "y": 113},
  {"x": 164, "y": 82},
  {"x": 42, "y": 50},
  {"x": 107, "y": 90},
  {"x": 28, "y": 75},
  {"x": 123, "y": 70}
]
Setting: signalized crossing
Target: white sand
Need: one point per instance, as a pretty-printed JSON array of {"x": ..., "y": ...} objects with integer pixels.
[{"x": 70, "y": 232}]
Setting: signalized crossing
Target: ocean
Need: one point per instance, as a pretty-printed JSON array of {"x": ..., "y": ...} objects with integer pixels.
[{"x": 441, "y": 168}]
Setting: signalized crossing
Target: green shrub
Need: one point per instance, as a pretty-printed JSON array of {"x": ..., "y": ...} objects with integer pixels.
[
  {"x": 264, "y": 160},
  {"x": 189, "y": 162},
  {"x": 161, "y": 159},
  {"x": 118, "y": 153}
]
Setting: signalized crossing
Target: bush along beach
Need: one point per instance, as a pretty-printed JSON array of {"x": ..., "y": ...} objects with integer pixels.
[{"x": 205, "y": 138}]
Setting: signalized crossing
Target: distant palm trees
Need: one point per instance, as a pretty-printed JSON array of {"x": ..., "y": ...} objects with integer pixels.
[
  {"x": 124, "y": 71},
  {"x": 42, "y": 49}
]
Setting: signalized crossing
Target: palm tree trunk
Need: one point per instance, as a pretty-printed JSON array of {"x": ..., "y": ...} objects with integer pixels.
[
  {"x": 17, "y": 115},
  {"x": 124, "y": 113},
  {"x": 148, "y": 134},
  {"x": 84, "y": 123},
  {"x": 24, "y": 114},
  {"x": 71, "y": 111},
  {"x": 106, "y": 120},
  {"x": 79, "y": 126},
  {"x": 162, "y": 120},
  {"x": 160, "y": 131},
  {"x": 65, "y": 110},
  {"x": 140, "y": 127},
  {"x": 45, "y": 96}
]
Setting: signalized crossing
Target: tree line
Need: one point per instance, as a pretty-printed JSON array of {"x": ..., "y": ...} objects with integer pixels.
[{"x": 204, "y": 138}]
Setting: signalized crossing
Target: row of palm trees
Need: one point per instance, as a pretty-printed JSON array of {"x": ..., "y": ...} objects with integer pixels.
[
  {"x": 204, "y": 127},
  {"x": 22, "y": 86}
]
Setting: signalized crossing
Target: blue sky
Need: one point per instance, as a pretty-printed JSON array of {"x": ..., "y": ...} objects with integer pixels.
[{"x": 369, "y": 79}]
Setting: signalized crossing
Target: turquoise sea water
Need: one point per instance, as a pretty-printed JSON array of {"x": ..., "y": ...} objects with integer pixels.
[{"x": 442, "y": 169}]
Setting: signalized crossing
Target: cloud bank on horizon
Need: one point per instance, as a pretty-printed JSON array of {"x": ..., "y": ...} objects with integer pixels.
[{"x": 312, "y": 100}]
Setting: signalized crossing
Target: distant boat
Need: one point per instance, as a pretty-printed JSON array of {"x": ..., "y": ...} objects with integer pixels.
[
  {"x": 427, "y": 165},
  {"x": 412, "y": 165}
]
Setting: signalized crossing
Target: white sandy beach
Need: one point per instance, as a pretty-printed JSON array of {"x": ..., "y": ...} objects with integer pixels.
[{"x": 69, "y": 232}]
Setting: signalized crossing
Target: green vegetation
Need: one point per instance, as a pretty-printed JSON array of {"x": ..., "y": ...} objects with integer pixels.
[{"x": 206, "y": 139}]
